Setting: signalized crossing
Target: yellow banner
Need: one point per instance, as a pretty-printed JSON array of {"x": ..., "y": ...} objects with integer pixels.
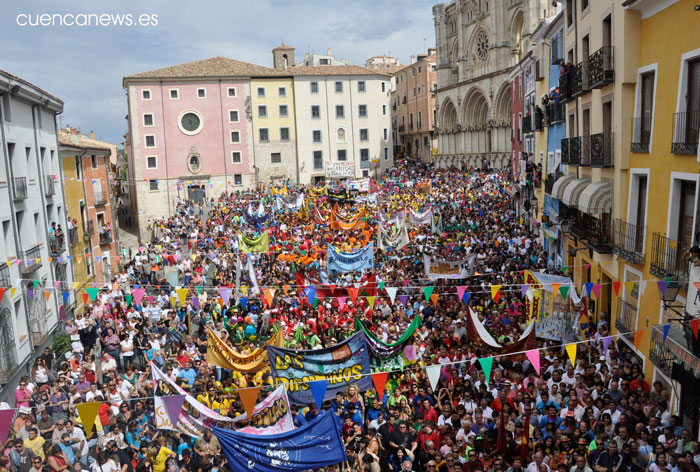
[
  {"x": 221, "y": 354},
  {"x": 317, "y": 191}
]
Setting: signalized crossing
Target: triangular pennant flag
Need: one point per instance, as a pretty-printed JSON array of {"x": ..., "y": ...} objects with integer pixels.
[
  {"x": 173, "y": 301},
  {"x": 76, "y": 285},
  {"x": 269, "y": 295},
  {"x": 666, "y": 328},
  {"x": 571, "y": 350},
  {"x": 199, "y": 290},
  {"x": 92, "y": 293},
  {"x": 36, "y": 282},
  {"x": 642, "y": 287},
  {"x": 629, "y": 286},
  {"x": 694, "y": 325},
  {"x": 249, "y": 397},
  {"x": 12, "y": 292},
  {"x": 341, "y": 302},
  {"x": 638, "y": 335},
  {"x": 496, "y": 292},
  {"x": 352, "y": 292},
  {"x": 391, "y": 291},
  {"x": 195, "y": 302},
  {"x": 381, "y": 285},
  {"x": 606, "y": 343},
  {"x": 589, "y": 288},
  {"x": 555, "y": 288},
  {"x": 285, "y": 288},
  {"x": 433, "y": 372},
  {"x": 311, "y": 294},
  {"x": 403, "y": 299},
  {"x": 428, "y": 291},
  {"x": 225, "y": 293},
  {"x": 523, "y": 290},
  {"x": 486, "y": 364},
  {"x": 244, "y": 302},
  {"x": 181, "y": 296},
  {"x": 460, "y": 292},
  {"x": 379, "y": 380},
  {"x": 173, "y": 405},
  {"x": 318, "y": 389},
  {"x": 616, "y": 287},
  {"x": 128, "y": 299},
  {"x": 47, "y": 295},
  {"x": 662, "y": 287},
  {"x": 371, "y": 300},
  {"x": 564, "y": 291},
  {"x": 66, "y": 296},
  {"x": 56, "y": 283},
  {"x": 86, "y": 297},
  {"x": 244, "y": 289},
  {"x": 2, "y": 292},
  {"x": 88, "y": 414},
  {"x": 587, "y": 266},
  {"x": 138, "y": 295},
  {"x": 465, "y": 298},
  {"x": 530, "y": 294},
  {"x": 596, "y": 290},
  {"x": 434, "y": 298},
  {"x": 534, "y": 357},
  {"x": 5, "y": 422}
]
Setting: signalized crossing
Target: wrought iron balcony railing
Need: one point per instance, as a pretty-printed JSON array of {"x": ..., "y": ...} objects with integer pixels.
[
  {"x": 641, "y": 134},
  {"x": 626, "y": 320},
  {"x": 602, "y": 150},
  {"x": 629, "y": 241},
  {"x": 685, "y": 132},
  {"x": 667, "y": 258},
  {"x": 106, "y": 237},
  {"x": 555, "y": 113},
  {"x": 575, "y": 151},
  {"x": 565, "y": 85},
  {"x": 602, "y": 67},
  {"x": 599, "y": 237},
  {"x": 581, "y": 80},
  {"x": 527, "y": 124},
  {"x": 5, "y": 280},
  {"x": 585, "y": 151},
  {"x": 565, "y": 151},
  {"x": 32, "y": 259}
]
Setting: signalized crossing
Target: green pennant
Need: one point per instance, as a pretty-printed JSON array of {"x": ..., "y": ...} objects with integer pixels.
[
  {"x": 486, "y": 364},
  {"x": 381, "y": 285},
  {"x": 564, "y": 269},
  {"x": 92, "y": 292},
  {"x": 428, "y": 291},
  {"x": 128, "y": 299},
  {"x": 199, "y": 290},
  {"x": 36, "y": 282},
  {"x": 564, "y": 290}
]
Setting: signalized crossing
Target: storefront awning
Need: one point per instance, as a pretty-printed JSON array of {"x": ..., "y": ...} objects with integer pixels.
[
  {"x": 573, "y": 190},
  {"x": 560, "y": 184},
  {"x": 596, "y": 198}
]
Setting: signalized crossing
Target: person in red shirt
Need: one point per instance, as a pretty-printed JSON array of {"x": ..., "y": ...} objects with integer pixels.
[
  {"x": 428, "y": 412},
  {"x": 428, "y": 434},
  {"x": 640, "y": 382}
]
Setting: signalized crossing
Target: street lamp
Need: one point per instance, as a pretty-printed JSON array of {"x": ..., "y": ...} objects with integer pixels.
[{"x": 670, "y": 294}]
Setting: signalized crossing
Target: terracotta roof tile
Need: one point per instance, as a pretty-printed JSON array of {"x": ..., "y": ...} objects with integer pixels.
[
  {"x": 81, "y": 141},
  {"x": 214, "y": 67},
  {"x": 335, "y": 70}
]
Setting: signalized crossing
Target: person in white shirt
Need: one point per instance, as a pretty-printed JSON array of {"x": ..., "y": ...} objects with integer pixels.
[{"x": 539, "y": 461}]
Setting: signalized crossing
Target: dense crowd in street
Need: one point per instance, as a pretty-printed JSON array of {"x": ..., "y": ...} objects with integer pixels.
[{"x": 599, "y": 415}]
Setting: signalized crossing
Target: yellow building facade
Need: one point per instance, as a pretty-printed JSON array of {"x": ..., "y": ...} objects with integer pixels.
[{"x": 274, "y": 129}]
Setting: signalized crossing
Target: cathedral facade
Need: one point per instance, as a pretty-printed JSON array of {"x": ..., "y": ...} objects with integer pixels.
[{"x": 478, "y": 44}]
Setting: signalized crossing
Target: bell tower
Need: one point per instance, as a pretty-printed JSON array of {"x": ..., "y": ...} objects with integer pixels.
[{"x": 283, "y": 57}]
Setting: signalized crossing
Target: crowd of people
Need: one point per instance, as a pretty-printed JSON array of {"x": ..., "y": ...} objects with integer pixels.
[{"x": 599, "y": 415}]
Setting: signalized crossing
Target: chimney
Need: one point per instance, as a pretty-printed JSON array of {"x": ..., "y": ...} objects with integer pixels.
[
  {"x": 413, "y": 59},
  {"x": 92, "y": 134},
  {"x": 329, "y": 52}
]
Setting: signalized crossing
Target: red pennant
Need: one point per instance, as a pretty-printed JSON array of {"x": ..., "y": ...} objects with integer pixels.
[
  {"x": 352, "y": 291},
  {"x": 2, "y": 292},
  {"x": 616, "y": 287},
  {"x": 694, "y": 324},
  {"x": 379, "y": 380},
  {"x": 85, "y": 298},
  {"x": 332, "y": 287}
]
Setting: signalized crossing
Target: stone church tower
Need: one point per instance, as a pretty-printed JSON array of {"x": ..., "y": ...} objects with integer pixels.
[{"x": 478, "y": 43}]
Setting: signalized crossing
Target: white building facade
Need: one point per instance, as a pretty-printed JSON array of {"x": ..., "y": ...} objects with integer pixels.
[
  {"x": 343, "y": 122},
  {"x": 31, "y": 200}
]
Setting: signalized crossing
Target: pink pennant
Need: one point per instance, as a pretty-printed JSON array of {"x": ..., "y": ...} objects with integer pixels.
[
  {"x": 341, "y": 302},
  {"x": 56, "y": 283},
  {"x": 596, "y": 290},
  {"x": 534, "y": 357},
  {"x": 460, "y": 292},
  {"x": 138, "y": 295}
]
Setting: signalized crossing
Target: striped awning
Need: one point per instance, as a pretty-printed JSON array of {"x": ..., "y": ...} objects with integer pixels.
[
  {"x": 558, "y": 187},
  {"x": 573, "y": 191},
  {"x": 596, "y": 198}
]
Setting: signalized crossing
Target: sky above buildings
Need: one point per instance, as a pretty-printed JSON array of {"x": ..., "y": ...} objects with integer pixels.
[{"x": 84, "y": 65}]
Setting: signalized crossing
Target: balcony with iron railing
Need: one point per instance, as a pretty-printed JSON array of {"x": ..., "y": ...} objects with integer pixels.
[
  {"x": 19, "y": 188},
  {"x": 575, "y": 151},
  {"x": 602, "y": 150},
  {"x": 626, "y": 320},
  {"x": 527, "y": 124},
  {"x": 50, "y": 187},
  {"x": 566, "y": 85},
  {"x": 679, "y": 346},
  {"x": 5, "y": 280},
  {"x": 685, "y": 132},
  {"x": 105, "y": 237},
  {"x": 565, "y": 151},
  {"x": 554, "y": 113},
  {"x": 599, "y": 234},
  {"x": 601, "y": 70},
  {"x": 31, "y": 259},
  {"x": 57, "y": 244},
  {"x": 578, "y": 223},
  {"x": 641, "y": 134},
  {"x": 581, "y": 80},
  {"x": 585, "y": 151},
  {"x": 100, "y": 196},
  {"x": 629, "y": 241},
  {"x": 667, "y": 258},
  {"x": 549, "y": 183}
]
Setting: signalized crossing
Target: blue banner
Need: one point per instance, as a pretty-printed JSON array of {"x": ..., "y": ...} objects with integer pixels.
[
  {"x": 315, "y": 444},
  {"x": 339, "y": 261},
  {"x": 343, "y": 364}
]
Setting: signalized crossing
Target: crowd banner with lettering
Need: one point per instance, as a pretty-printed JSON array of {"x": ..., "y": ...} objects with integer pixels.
[
  {"x": 371, "y": 198},
  {"x": 397, "y": 355},
  {"x": 420, "y": 218},
  {"x": 313, "y": 445},
  {"x": 339, "y": 170},
  {"x": 221, "y": 354},
  {"x": 270, "y": 416},
  {"x": 317, "y": 191},
  {"x": 195, "y": 417},
  {"x": 561, "y": 320},
  {"x": 344, "y": 364},
  {"x": 395, "y": 238},
  {"x": 285, "y": 203},
  {"x": 247, "y": 244},
  {"x": 392, "y": 219},
  {"x": 339, "y": 222},
  {"x": 361, "y": 259},
  {"x": 256, "y": 218},
  {"x": 361, "y": 185},
  {"x": 442, "y": 269}
]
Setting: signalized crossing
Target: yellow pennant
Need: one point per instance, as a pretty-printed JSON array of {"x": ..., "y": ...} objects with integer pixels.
[
  {"x": 181, "y": 295},
  {"x": 495, "y": 292},
  {"x": 88, "y": 414},
  {"x": 629, "y": 286},
  {"x": 12, "y": 292},
  {"x": 76, "y": 284},
  {"x": 244, "y": 289},
  {"x": 571, "y": 351}
]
